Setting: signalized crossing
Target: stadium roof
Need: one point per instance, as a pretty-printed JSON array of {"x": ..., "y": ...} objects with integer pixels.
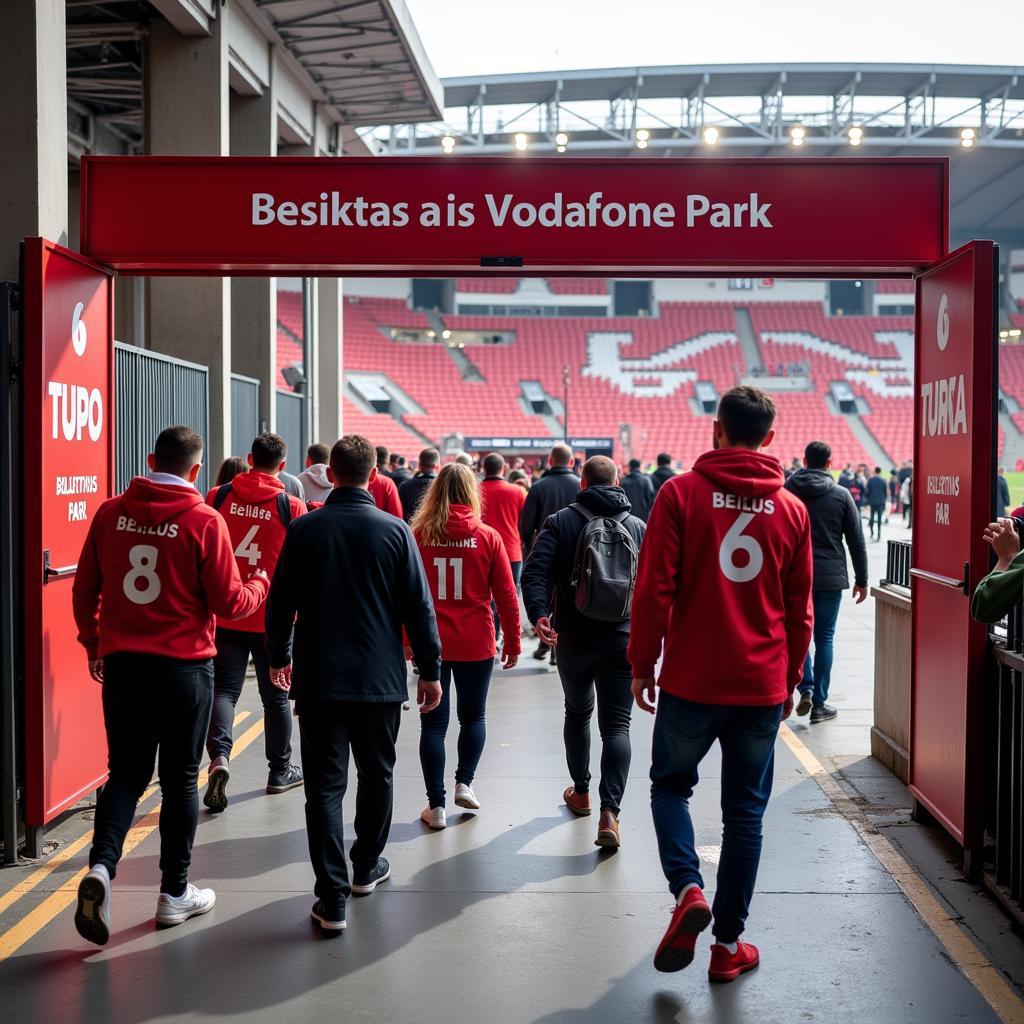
[{"x": 974, "y": 114}]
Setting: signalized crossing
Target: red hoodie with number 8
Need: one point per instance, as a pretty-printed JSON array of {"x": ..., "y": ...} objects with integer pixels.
[
  {"x": 157, "y": 566},
  {"x": 725, "y": 580}
]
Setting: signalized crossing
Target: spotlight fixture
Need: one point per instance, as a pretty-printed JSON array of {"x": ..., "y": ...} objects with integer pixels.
[
  {"x": 522, "y": 142},
  {"x": 446, "y": 334},
  {"x": 855, "y": 135},
  {"x": 710, "y": 136},
  {"x": 796, "y": 135},
  {"x": 561, "y": 139},
  {"x": 967, "y": 136},
  {"x": 559, "y": 149},
  {"x": 447, "y": 143},
  {"x": 642, "y": 135},
  {"x": 642, "y": 143}
]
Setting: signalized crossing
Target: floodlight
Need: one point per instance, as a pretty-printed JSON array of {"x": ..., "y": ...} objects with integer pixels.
[
  {"x": 559, "y": 149},
  {"x": 447, "y": 143},
  {"x": 446, "y": 334},
  {"x": 561, "y": 139},
  {"x": 967, "y": 138},
  {"x": 796, "y": 135},
  {"x": 522, "y": 141},
  {"x": 642, "y": 143},
  {"x": 642, "y": 135},
  {"x": 856, "y": 134},
  {"x": 710, "y": 136}
]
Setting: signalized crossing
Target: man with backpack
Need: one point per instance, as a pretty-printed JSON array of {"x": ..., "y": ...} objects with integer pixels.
[
  {"x": 257, "y": 511},
  {"x": 578, "y": 588}
]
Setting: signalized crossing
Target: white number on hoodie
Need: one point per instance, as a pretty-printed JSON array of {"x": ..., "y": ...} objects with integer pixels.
[
  {"x": 248, "y": 549},
  {"x": 143, "y": 562},
  {"x": 735, "y": 540},
  {"x": 442, "y": 577}
]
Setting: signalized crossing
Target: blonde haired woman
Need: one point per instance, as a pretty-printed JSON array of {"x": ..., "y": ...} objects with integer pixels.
[{"x": 466, "y": 566}]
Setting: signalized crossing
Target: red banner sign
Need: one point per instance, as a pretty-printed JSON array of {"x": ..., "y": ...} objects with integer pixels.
[
  {"x": 404, "y": 215},
  {"x": 68, "y": 473},
  {"x": 954, "y": 472}
]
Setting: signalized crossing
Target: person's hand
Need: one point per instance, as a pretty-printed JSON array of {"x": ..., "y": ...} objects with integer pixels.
[
  {"x": 1002, "y": 535},
  {"x": 544, "y": 631},
  {"x": 643, "y": 694},
  {"x": 508, "y": 660},
  {"x": 787, "y": 708},
  {"x": 860, "y": 594},
  {"x": 428, "y": 695},
  {"x": 282, "y": 677},
  {"x": 96, "y": 669},
  {"x": 259, "y": 574}
]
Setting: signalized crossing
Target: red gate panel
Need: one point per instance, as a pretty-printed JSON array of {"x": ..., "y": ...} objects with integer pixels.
[
  {"x": 68, "y": 472},
  {"x": 954, "y": 469}
]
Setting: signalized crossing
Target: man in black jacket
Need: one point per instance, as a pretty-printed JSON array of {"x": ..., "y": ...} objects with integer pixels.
[
  {"x": 639, "y": 490},
  {"x": 350, "y": 578},
  {"x": 834, "y": 517},
  {"x": 663, "y": 472},
  {"x": 591, "y": 653},
  {"x": 875, "y": 494},
  {"x": 556, "y": 489},
  {"x": 410, "y": 493}
]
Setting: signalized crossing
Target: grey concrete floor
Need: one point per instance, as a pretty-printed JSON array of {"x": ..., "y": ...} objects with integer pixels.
[{"x": 511, "y": 914}]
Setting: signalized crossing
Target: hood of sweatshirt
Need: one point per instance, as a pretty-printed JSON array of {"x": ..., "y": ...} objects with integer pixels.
[
  {"x": 740, "y": 471},
  {"x": 254, "y": 487},
  {"x": 462, "y": 522},
  {"x": 604, "y": 500},
  {"x": 151, "y": 503},
  {"x": 808, "y": 484},
  {"x": 318, "y": 474}
]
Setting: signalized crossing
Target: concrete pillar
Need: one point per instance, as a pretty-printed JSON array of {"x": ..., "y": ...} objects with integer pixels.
[
  {"x": 254, "y": 299},
  {"x": 190, "y": 318},
  {"x": 34, "y": 128},
  {"x": 327, "y": 396}
]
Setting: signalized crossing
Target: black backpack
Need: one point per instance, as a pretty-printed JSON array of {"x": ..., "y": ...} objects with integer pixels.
[
  {"x": 605, "y": 570},
  {"x": 284, "y": 508}
]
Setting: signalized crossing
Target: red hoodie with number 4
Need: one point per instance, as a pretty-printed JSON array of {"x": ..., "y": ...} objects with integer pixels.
[
  {"x": 725, "y": 580},
  {"x": 257, "y": 528},
  {"x": 157, "y": 566},
  {"x": 463, "y": 573}
]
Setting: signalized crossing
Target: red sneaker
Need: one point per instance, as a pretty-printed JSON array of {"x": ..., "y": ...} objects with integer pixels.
[
  {"x": 726, "y": 966},
  {"x": 689, "y": 919}
]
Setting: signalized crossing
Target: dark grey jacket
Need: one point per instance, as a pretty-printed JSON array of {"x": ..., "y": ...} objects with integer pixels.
[
  {"x": 640, "y": 491},
  {"x": 556, "y": 489},
  {"x": 410, "y": 493},
  {"x": 350, "y": 577},
  {"x": 660, "y": 475},
  {"x": 546, "y": 587},
  {"x": 833, "y": 516}
]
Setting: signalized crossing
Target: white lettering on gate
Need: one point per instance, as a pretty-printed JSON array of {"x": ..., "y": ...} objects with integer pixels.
[
  {"x": 74, "y": 409},
  {"x": 944, "y": 407}
]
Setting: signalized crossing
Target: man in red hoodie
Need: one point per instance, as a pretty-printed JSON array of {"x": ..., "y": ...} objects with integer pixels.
[
  {"x": 157, "y": 566},
  {"x": 725, "y": 581},
  {"x": 257, "y": 510}
]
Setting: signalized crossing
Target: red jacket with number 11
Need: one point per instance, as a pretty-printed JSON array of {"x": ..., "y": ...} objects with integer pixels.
[
  {"x": 463, "y": 574},
  {"x": 257, "y": 529},
  {"x": 157, "y": 566},
  {"x": 725, "y": 580}
]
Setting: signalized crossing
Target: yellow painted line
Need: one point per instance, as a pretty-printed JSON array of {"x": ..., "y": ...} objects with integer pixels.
[
  {"x": 968, "y": 957},
  {"x": 9, "y": 898},
  {"x": 35, "y": 920}
]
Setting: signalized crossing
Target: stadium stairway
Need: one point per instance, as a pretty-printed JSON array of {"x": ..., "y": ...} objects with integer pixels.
[
  {"x": 749, "y": 345},
  {"x": 868, "y": 440},
  {"x": 469, "y": 370}
]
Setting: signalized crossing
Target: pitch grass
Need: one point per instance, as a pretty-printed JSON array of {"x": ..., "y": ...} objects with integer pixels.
[{"x": 1016, "y": 482}]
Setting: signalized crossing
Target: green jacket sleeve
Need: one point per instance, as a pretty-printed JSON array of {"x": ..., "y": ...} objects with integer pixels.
[{"x": 998, "y": 592}]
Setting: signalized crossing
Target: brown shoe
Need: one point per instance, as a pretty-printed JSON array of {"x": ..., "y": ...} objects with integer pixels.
[
  {"x": 578, "y": 803},
  {"x": 608, "y": 831}
]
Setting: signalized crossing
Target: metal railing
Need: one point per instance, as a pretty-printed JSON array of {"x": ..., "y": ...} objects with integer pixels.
[{"x": 897, "y": 563}]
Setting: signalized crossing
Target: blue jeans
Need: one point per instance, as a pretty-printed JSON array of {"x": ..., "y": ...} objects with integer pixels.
[
  {"x": 818, "y": 674},
  {"x": 472, "y": 680},
  {"x": 683, "y": 734}
]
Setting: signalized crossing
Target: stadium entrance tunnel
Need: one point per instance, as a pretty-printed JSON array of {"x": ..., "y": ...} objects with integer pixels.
[{"x": 840, "y": 218}]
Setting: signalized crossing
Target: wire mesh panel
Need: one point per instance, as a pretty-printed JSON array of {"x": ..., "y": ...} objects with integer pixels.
[
  {"x": 154, "y": 391},
  {"x": 897, "y": 563},
  {"x": 245, "y": 413},
  {"x": 291, "y": 425}
]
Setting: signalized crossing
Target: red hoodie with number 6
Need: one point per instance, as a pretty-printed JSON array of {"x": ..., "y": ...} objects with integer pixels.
[
  {"x": 157, "y": 566},
  {"x": 725, "y": 580}
]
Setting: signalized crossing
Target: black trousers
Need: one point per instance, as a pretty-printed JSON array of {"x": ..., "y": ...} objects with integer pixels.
[
  {"x": 328, "y": 731},
  {"x": 596, "y": 664},
  {"x": 153, "y": 705},
  {"x": 229, "y": 664}
]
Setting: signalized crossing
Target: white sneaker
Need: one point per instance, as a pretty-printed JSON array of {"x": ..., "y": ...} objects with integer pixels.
[
  {"x": 465, "y": 797},
  {"x": 172, "y": 910},
  {"x": 434, "y": 817}
]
